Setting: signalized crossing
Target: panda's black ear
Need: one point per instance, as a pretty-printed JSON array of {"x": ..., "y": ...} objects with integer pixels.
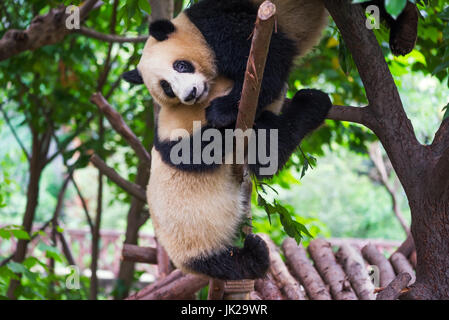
[
  {"x": 133, "y": 77},
  {"x": 161, "y": 29}
]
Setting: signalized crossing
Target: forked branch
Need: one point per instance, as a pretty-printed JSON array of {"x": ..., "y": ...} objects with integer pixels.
[
  {"x": 132, "y": 188},
  {"x": 119, "y": 125}
]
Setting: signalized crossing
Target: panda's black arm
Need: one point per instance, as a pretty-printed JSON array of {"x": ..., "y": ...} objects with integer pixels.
[
  {"x": 300, "y": 116},
  {"x": 223, "y": 111}
]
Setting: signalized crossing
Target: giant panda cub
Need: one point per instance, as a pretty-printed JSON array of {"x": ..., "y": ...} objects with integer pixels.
[{"x": 194, "y": 68}]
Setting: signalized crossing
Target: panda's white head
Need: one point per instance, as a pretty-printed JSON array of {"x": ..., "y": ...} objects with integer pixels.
[{"x": 177, "y": 66}]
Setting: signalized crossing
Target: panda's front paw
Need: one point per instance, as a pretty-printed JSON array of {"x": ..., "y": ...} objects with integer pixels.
[
  {"x": 311, "y": 102},
  {"x": 221, "y": 113}
]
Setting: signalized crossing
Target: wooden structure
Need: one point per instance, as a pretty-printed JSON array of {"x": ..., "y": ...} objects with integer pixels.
[{"x": 320, "y": 272}]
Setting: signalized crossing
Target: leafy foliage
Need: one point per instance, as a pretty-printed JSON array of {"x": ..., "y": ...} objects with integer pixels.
[{"x": 38, "y": 281}]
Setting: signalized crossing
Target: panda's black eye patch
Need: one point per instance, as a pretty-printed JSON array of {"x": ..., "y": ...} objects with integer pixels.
[
  {"x": 167, "y": 89},
  {"x": 183, "y": 66}
]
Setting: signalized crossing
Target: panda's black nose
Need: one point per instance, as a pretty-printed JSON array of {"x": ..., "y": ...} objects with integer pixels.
[{"x": 191, "y": 96}]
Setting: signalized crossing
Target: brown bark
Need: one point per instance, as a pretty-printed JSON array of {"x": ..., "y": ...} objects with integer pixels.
[
  {"x": 374, "y": 257},
  {"x": 401, "y": 265},
  {"x": 119, "y": 125},
  {"x": 175, "y": 286},
  {"x": 303, "y": 270},
  {"x": 321, "y": 252},
  {"x": 393, "y": 291},
  {"x": 66, "y": 249},
  {"x": 161, "y": 9},
  {"x": 132, "y": 188},
  {"x": 175, "y": 275},
  {"x": 407, "y": 247},
  {"x": 43, "y": 30},
  {"x": 430, "y": 229},
  {"x": 163, "y": 261},
  {"x": 133, "y": 253},
  {"x": 255, "y": 67},
  {"x": 288, "y": 285},
  {"x": 216, "y": 289},
  {"x": 110, "y": 37},
  {"x": 352, "y": 114},
  {"x": 268, "y": 289},
  {"x": 55, "y": 219},
  {"x": 39, "y": 153},
  {"x": 354, "y": 266},
  {"x": 182, "y": 288}
]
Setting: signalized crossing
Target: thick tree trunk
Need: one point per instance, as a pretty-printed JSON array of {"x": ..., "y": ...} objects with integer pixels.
[
  {"x": 37, "y": 160},
  {"x": 430, "y": 229}
]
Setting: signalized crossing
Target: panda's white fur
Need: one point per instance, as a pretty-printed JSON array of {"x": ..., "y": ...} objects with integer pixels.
[{"x": 196, "y": 214}]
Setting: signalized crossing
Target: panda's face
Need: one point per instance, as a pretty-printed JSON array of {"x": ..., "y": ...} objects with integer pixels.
[
  {"x": 177, "y": 65},
  {"x": 177, "y": 83}
]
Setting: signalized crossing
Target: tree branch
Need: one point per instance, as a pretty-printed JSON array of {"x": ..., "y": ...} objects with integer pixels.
[
  {"x": 374, "y": 257},
  {"x": 63, "y": 146},
  {"x": 441, "y": 139},
  {"x": 43, "y": 30},
  {"x": 394, "y": 289},
  {"x": 440, "y": 147},
  {"x": 84, "y": 205},
  {"x": 391, "y": 124},
  {"x": 440, "y": 175},
  {"x": 119, "y": 125},
  {"x": 110, "y": 37},
  {"x": 360, "y": 115},
  {"x": 135, "y": 253},
  {"x": 252, "y": 83},
  {"x": 132, "y": 188}
]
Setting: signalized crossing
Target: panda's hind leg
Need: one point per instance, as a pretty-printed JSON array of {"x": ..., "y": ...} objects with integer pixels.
[{"x": 250, "y": 262}]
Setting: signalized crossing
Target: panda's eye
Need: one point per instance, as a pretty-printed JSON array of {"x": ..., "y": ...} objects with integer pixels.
[
  {"x": 183, "y": 66},
  {"x": 167, "y": 89}
]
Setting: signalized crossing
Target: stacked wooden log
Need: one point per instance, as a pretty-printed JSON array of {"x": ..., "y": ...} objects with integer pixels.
[{"x": 322, "y": 272}]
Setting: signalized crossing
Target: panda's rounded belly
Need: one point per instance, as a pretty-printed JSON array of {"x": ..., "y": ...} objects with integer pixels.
[{"x": 193, "y": 214}]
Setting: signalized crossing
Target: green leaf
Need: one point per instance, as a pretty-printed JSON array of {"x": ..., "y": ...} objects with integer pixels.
[
  {"x": 16, "y": 267},
  {"x": 50, "y": 252},
  {"x": 145, "y": 6},
  {"x": 21, "y": 234},
  {"x": 395, "y": 7},
  {"x": 5, "y": 234}
]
